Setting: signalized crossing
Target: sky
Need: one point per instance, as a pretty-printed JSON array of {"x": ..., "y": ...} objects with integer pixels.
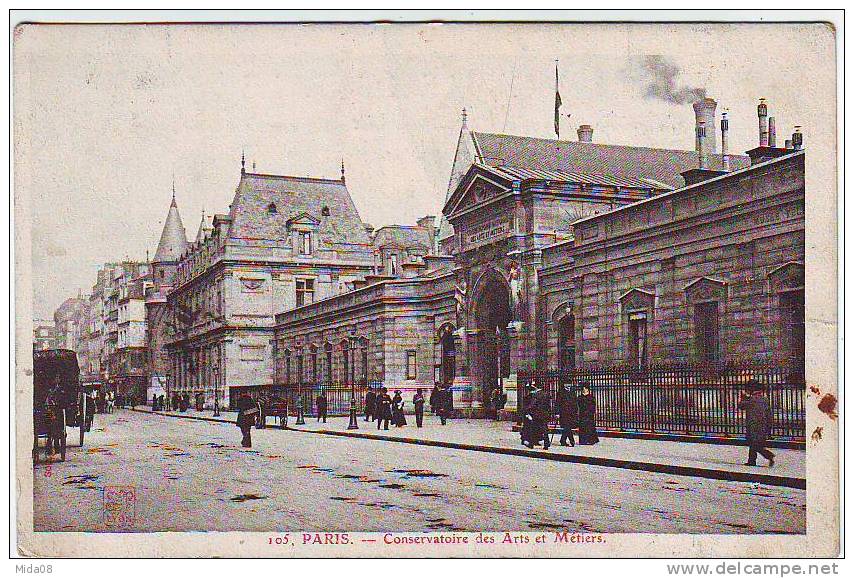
[{"x": 104, "y": 116}]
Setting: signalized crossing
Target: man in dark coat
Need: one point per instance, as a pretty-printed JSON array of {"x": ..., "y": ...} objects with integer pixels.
[
  {"x": 434, "y": 399},
  {"x": 321, "y": 406},
  {"x": 567, "y": 408},
  {"x": 370, "y": 399},
  {"x": 383, "y": 405},
  {"x": 418, "y": 402},
  {"x": 495, "y": 402},
  {"x": 246, "y": 416},
  {"x": 757, "y": 417},
  {"x": 539, "y": 412}
]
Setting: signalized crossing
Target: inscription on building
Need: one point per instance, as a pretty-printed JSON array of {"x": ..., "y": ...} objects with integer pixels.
[{"x": 486, "y": 233}]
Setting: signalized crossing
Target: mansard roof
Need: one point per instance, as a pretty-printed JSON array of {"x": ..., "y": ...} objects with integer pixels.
[
  {"x": 173, "y": 239},
  {"x": 402, "y": 236},
  {"x": 251, "y": 217},
  {"x": 617, "y": 161}
]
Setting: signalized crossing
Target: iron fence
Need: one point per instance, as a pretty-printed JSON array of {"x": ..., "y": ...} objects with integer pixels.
[
  {"x": 337, "y": 397},
  {"x": 683, "y": 400}
]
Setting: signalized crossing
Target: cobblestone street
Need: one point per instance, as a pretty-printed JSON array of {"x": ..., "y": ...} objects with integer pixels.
[{"x": 191, "y": 475}]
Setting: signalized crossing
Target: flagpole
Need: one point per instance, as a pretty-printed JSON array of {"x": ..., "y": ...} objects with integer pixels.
[{"x": 557, "y": 101}]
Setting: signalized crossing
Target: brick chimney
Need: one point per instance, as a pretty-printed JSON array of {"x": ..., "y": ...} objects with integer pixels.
[
  {"x": 704, "y": 111},
  {"x": 762, "y": 112},
  {"x": 585, "y": 133}
]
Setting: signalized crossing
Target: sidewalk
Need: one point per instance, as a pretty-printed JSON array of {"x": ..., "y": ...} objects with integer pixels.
[{"x": 679, "y": 458}]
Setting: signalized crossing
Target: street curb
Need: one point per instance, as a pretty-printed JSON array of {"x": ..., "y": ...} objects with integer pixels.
[{"x": 676, "y": 470}]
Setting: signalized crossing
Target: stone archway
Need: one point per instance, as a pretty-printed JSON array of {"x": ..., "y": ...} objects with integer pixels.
[{"x": 490, "y": 314}]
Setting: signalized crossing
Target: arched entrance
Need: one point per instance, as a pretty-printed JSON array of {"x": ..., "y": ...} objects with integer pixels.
[{"x": 491, "y": 348}]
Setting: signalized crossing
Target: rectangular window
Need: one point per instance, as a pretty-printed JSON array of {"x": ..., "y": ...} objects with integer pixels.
[
  {"x": 637, "y": 340},
  {"x": 392, "y": 264},
  {"x": 411, "y": 365},
  {"x": 706, "y": 327},
  {"x": 305, "y": 292},
  {"x": 305, "y": 243}
]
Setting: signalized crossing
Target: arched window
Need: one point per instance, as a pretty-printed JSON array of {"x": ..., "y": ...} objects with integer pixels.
[
  {"x": 566, "y": 343},
  {"x": 328, "y": 351},
  {"x": 313, "y": 364},
  {"x": 345, "y": 361},
  {"x": 363, "y": 351}
]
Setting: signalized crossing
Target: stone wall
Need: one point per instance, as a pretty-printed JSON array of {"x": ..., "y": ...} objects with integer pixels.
[{"x": 738, "y": 240}]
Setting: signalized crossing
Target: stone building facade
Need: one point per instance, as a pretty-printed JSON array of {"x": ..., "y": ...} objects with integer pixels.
[
  {"x": 392, "y": 332},
  {"x": 582, "y": 255},
  {"x": 710, "y": 273},
  {"x": 286, "y": 241}
]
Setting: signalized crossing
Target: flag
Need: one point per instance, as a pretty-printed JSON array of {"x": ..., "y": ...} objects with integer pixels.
[{"x": 557, "y": 104}]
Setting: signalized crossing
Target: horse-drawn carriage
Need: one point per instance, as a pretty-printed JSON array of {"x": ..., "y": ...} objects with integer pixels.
[{"x": 58, "y": 400}]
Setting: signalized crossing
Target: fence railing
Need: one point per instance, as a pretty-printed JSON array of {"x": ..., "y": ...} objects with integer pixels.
[
  {"x": 692, "y": 400},
  {"x": 337, "y": 396}
]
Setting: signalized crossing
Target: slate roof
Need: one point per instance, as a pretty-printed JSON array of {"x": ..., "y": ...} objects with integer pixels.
[
  {"x": 517, "y": 173},
  {"x": 621, "y": 162},
  {"x": 402, "y": 235},
  {"x": 251, "y": 217},
  {"x": 173, "y": 239}
]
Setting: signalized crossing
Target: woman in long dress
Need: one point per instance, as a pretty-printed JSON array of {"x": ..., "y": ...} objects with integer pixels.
[
  {"x": 397, "y": 410},
  {"x": 587, "y": 417}
]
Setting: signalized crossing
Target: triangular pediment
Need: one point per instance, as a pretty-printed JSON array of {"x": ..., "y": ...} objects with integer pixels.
[
  {"x": 478, "y": 187},
  {"x": 706, "y": 288},
  {"x": 303, "y": 219},
  {"x": 637, "y": 299},
  {"x": 789, "y": 275}
]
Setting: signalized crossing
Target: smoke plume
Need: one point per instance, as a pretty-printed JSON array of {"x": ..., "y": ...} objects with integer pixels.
[{"x": 661, "y": 82}]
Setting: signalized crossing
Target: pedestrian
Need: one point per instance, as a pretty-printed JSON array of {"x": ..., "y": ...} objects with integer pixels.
[
  {"x": 162, "y": 404},
  {"x": 495, "y": 403},
  {"x": 567, "y": 407},
  {"x": 320, "y": 403},
  {"x": 587, "y": 435},
  {"x": 383, "y": 405},
  {"x": 418, "y": 402},
  {"x": 434, "y": 399},
  {"x": 246, "y": 416},
  {"x": 398, "y": 419},
  {"x": 154, "y": 403},
  {"x": 538, "y": 411},
  {"x": 370, "y": 399},
  {"x": 445, "y": 403},
  {"x": 175, "y": 403},
  {"x": 757, "y": 417}
]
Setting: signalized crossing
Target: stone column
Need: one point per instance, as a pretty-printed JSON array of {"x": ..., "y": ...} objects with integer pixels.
[
  {"x": 517, "y": 352},
  {"x": 462, "y": 387}
]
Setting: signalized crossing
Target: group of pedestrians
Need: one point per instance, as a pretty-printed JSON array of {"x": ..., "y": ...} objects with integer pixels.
[
  {"x": 575, "y": 411},
  {"x": 389, "y": 410}
]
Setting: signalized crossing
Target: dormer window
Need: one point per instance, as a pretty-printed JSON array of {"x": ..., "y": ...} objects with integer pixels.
[{"x": 271, "y": 208}]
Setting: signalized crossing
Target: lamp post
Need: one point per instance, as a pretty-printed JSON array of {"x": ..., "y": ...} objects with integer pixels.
[
  {"x": 216, "y": 392},
  {"x": 300, "y": 419},
  {"x": 354, "y": 424}
]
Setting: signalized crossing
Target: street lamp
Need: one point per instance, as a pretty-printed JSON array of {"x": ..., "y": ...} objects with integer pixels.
[
  {"x": 354, "y": 424},
  {"x": 216, "y": 391},
  {"x": 300, "y": 418}
]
